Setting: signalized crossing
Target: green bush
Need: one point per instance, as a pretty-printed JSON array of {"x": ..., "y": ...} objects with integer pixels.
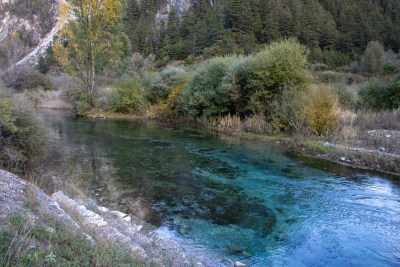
[
  {"x": 373, "y": 94},
  {"x": 346, "y": 95},
  {"x": 82, "y": 104},
  {"x": 23, "y": 134},
  {"x": 259, "y": 79},
  {"x": 128, "y": 95},
  {"x": 393, "y": 94},
  {"x": 204, "y": 94},
  {"x": 164, "y": 82},
  {"x": 319, "y": 67},
  {"x": 287, "y": 112},
  {"x": 331, "y": 77},
  {"x": 389, "y": 66}
]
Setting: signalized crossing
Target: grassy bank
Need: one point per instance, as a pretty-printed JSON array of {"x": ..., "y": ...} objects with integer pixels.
[{"x": 25, "y": 243}]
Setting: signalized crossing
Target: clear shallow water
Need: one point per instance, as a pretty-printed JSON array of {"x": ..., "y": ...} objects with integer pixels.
[{"x": 229, "y": 194}]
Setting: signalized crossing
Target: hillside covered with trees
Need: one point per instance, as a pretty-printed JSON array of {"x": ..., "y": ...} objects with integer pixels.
[{"x": 337, "y": 31}]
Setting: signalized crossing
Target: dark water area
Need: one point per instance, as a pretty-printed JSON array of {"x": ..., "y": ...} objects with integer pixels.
[{"x": 249, "y": 201}]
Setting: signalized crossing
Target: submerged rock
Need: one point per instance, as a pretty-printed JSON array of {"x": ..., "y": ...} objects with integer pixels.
[
  {"x": 236, "y": 249},
  {"x": 185, "y": 229}
]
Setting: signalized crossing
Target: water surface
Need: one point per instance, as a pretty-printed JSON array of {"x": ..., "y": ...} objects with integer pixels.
[{"x": 242, "y": 199}]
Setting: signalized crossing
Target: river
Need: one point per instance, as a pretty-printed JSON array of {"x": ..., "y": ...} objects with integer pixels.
[{"x": 246, "y": 200}]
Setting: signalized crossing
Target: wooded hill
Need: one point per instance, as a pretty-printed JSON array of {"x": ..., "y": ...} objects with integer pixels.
[{"x": 228, "y": 26}]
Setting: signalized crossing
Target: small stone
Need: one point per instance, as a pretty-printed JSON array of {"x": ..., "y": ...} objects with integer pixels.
[
  {"x": 343, "y": 159},
  {"x": 239, "y": 264}
]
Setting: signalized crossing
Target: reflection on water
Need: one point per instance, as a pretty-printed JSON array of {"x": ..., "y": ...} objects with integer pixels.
[{"x": 250, "y": 201}]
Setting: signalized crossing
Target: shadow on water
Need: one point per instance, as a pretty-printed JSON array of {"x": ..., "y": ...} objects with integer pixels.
[{"x": 250, "y": 200}]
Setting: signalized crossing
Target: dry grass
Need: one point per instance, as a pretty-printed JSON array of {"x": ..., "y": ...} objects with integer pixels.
[
  {"x": 385, "y": 120},
  {"x": 370, "y": 130}
]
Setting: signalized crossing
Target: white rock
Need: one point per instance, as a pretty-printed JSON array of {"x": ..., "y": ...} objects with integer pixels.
[
  {"x": 101, "y": 223},
  {"x": 127, "y": 218},
  {"x": 343, "y": 159},
  {"x": 239, "y": 264},
  {"x": 103, "y": 209}
]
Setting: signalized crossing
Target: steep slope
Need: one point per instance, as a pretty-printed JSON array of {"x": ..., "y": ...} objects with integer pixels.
[{"x": 32, "y": 21}]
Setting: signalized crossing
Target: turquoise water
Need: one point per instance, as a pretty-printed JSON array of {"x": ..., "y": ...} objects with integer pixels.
[{"x": 251, "y": 202}]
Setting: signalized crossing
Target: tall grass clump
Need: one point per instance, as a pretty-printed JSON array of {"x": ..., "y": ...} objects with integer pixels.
[
  {"x": 128, "y": 95},
  {"x": 204, "y": 94}
]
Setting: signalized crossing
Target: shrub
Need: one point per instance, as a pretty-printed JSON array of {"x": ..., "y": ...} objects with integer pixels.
[
  {"x": 393, "y": 94},
  {"x": 319, "y": 67},
  {"x": 389, "y": 66},
  {"x": 162, "y": 85},
  {"x": 331, "y": 77},
  {"x": 82, "y": 104},
  {"x": 374, "y": 57},
  {"x": 320, "y": 112},
  {"x": 373, "y": 94},
  {"x": 23, "y": 77},
  {"x": 346, "y": 95},
  {"x": 23, "y": 134},
  {"x": 167, "y": 107},
  {"x": 204, "y": 94},
  {"x": 128, "y": 95},
  {"x": 259, "y": 79},
  {"x": 344, "y": 69},
  {"x": 287, "y": 111}
]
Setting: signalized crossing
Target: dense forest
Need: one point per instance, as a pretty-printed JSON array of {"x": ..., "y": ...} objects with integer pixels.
[{"x": 334, "y": 29}]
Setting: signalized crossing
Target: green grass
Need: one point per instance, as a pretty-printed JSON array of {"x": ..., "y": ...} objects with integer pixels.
[
  {"x": 54, "y": 248},
  {"x": 318, "y": 147}
]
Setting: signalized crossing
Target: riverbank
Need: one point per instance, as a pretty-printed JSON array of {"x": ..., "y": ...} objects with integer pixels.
[{"x": 363, "y": 157}]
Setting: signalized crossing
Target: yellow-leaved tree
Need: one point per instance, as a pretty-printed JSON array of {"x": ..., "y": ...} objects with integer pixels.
[{"x": 85, "y": 39}]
